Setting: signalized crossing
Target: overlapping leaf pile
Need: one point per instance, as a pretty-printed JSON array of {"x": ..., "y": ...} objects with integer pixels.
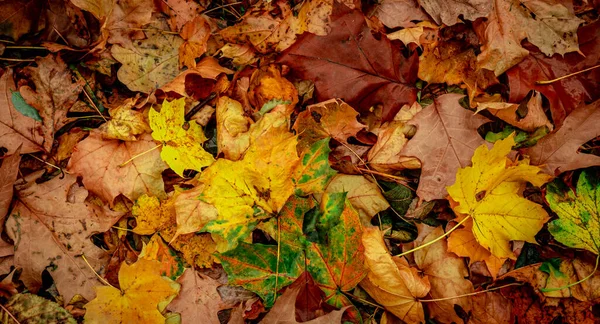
[{"x": 315, "y": 161}]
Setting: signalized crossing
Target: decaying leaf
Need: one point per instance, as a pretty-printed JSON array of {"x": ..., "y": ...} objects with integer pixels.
[
  {"x": 364, "y": 195},
  {"x": 509, "y": 112},
  {"x": 182, "y": 147},
  {"x": 314, "y": 173},
  {"x": 99, "y": 162},
  {"x": 156, "y": 249},
  {"x": 447, "y": 12},
  {"x": 125, "y": 123},
  {"x": 29, "y": 308},
  {"x": 455, "y": 132},
  {"x": 192, "y": 214},
  {"x": 143, "y": 296},
  {"x": 489, "y": 192},
  {"x": 399, "y": 13}
]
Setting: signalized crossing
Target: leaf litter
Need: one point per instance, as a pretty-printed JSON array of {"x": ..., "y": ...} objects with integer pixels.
[{"x": 312, "y": 161}]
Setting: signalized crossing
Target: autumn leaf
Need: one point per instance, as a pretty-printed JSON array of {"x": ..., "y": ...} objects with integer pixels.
[
  {"x": 197, "y": 299},
  {"x": 51, "y": 225},
  {"x": 491, "y": 307},
  {"x": 125, "y": 123},
  {"x": 29, "y": 308},
  {"x": 551, "y": 27},
  {"x": 8, "y": 174},
  {"x": 447, "y": 275},
  {"x": 558, "y": 152},
  {"x": 455, "y": 131},
  {"x": 195, "y": 33},
  {"x": 510, "y": 113},
  {"x": 182, "y": 148},
  {"x": 232, "y": 129},
  {"x": 578, "y": 213},
  {"x": 207, "y": 68},
  {"x": 192, "y": 214},
  {"x": 99, "y": 162},
  {"x": 314, "y": 172},
  {"x": 20, "y": 18},
  {"x": 143, "y": 296},
  {"x": 489, "y": 192},
  {"x": 150, "y": 63},
  {"x": 391, "y": 282},
  {"x": 447, "y": 12},
  {"x": 364, "y": 195},
  {"x": 15, "y": 128},
  {"x": 399, "y": 13},
  {"x": 156, "y": 249},
  {"x": 351, "y": 63},
  {"x": 150, "y": 215},
  {"x": 267, "y": 85}
]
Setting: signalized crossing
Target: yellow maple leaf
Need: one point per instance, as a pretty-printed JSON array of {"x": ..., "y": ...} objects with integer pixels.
[
  {"x": 489, "y": 191},
  {"x": 182, "y": 148},
  {"x": 143, "y": 296},
  {"x": 151, "y": 216}
]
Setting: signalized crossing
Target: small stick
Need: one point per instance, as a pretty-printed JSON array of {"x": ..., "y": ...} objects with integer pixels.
[
  {"x": 10, "y": 314},
  {"x": 470, "y": 294},
  {"x": 138, "y": 155},
  {"x": 402, "y": 180},
  {"x": 96, "y": 273},
  {"x": 567, "y": 76},
  {"x": 16, "y": 60},
  {"x": 26, "y": 47},
  {"x": 437, "y": 239},
  {"x": 199, "y": 106},
  {"x": 220, "y": 7}
]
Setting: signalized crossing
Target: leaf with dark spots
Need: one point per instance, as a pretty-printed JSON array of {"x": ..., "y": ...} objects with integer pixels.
[{"x": 351, "y": 63}]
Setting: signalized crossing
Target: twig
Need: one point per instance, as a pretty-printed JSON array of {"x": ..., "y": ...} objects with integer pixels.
[
  {"x": 220, "y": 7},
  {"x": 10, "y": 314},
  {"x": 566, "y": 76},
  {"x": 402, "y": 180},
  {"x": 138, "y": 155},
  {"x": 96, "y": 273},
  {"x": 26, "y": 47},
  {"x": 199, "y": 106},
  {"x": 49, "y": 164},
  {"x": 469, "y": 294},
  {"x": 16, "y": 60},
  {"x": 437, "y": 239}
]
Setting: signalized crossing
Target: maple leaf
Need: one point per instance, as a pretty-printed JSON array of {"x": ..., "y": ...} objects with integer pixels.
[
  {"x": 197, "y": 299},
  {"x": 240, "y": 55},
  {"x": 446, "y": 274},
  {"x": 391, "y": 282},
  {"x": 508, "y": 112},
  {"x": 558, "y": 152},
  {"x": 195, "y": 33},
  {"x": 489, "y": 192},
  {"x": 51, "y": 224},
  {"x": 207, "y": 68},
  {"x": 351, "y": 63},
  {"x": 29, "y": 308},
  {"x": 491, "y": 307},
  {"x": 417, "y": 34},
  {"x": 16, "y": 129},
  {"x": 455, "y": 131},
  {"x": 550, "y": 26},
  {"x": 284, "y": 310},
  {"x": 150, "y": 63},
  {"x": 268, "y": 86},
  {"x": 54, "y": 94},
  {"x": 192, "y": 214},
  {"x": 314, "y": 172},
  {"x": 182, "y": 148},
  {"x": 125, "y": 123},
  {"x": 447, "y": 12},
  {"x": 8, "y": 174},
  {"x": 232, "y": 129},
  {"x": 98, "y": 161},
  {"x": 578, "y": 213},
  {"x": 399, "y": 13},
  {"x": 156, "y": 249},
  {"x": 143, "y": 296},
  {"x": 20, "y": 18},
  {"x": 364, "y": 195}
]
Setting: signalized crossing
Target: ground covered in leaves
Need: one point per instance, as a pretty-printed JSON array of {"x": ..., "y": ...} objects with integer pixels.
[{"x": 318, "y": 161}]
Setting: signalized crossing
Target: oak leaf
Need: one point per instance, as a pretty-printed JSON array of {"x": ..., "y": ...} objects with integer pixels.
[
  {"x": 15, "y": 128},
  {"x": 578, "y": 212},
  {"x": 364, "y": 195},
  {"x": 399, "y": 13},
  {"x": 98, "y": 162},
  {"x": 489, "y": 192},
  {"x": 51, "y": 225},
  {"x": 391, "y": 282},
  {"x": 455, "y": 132},
  {"x": 447, "y": 12},
  {"x": 143, "y": 296},
  {"x": 54, "y": 94},
  {"x": 446, "y": 273},
  {"x": 150, "y": 63},
  {"x": 353, "y": 64},
  {"x": 550, "y": 26},
  {"x": 557, "y": 152},
  {"x": 182, "y": 148},
  {"x": 197, "y": 299}
]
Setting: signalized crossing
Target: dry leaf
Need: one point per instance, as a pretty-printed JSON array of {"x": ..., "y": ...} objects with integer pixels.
[
  {"x": 491, "y": 308},
  {"x": 8, "y": 175},
  {"x": 399, "y": 13},
  {"x": 125, "y": 123},
  {"x": 192, "y": 214},
  {"x": 508, "y": 112},
  {"x": 447, "y": 11},
  {"x": 364, "y": 195},
  {"x": 207, "y": 68},
  {"x": 198, "y": 299}
]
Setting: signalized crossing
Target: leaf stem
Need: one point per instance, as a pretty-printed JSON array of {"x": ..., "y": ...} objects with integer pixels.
[
  {"x": 567, "y": 76},
  {"x": 10, "y": 314},
  {"x": 401, "y": 180},
  {"x": 470, "y": 294},
  {"x": 575, "y": 283},
  {"x": 96, "y": 273},
  {"x": 138, "y": 155},
  {"x": 16, "y": 60},
  {"x": 361, "y": 300},
  {"x": 278, "y": 255},
  {"x": 199, "y": 106},
  {"x": 437, "y": 239}
]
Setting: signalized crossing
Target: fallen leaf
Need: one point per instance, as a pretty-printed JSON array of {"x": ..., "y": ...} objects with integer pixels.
[
  {"x": 447, "y": 12},
  {"x": 67, "y": 143},
  {"x": 550, "y": 26},
  {"x": 284, "y": 311},
  {"x": 156, "y": 249},
  {"x": 16, "y": 129},
  {"x": 125, "y": 123},
  {"x": 197, "y": 249},
  {"x": 578, "y": 213},
  {"x": 399, "y": 13},
  {"x": 195, "y": 33},
  {"x": 21, "y": 17},
  {"x": 151, "y": 63},
  {"x": 181, "y": 12},
  {"x": 314, "y": 172},
  {"x": 9, "y": 171},
  {"x": 51, "y": 224},
  {"x": 240, "y": 55},
  {"x": 391, "y": 282},
  {"x": 143, "y": 296},
  {"x": 192, "y": 214},
  {"x": 364, "y": 195},
  {"x": 363, "y": 71},
  {"x": 29, "y": 308},
  {"x": 198, "y": 299},
  {"x": 413, "y": 34},
  {"x": 489, "y": 192},
  {"x": 267, "y": 85},
  {"x": 54, "y": 94},
  {"x": 447, "y": 275},
  {"x": 557, "y": 152},
  {"x": 182, "y": 147},
  {"x": 310, "y": 302},
  {"x": 455, "y": 131},
  {"x": 98, "y": 161},
  {"x": 150, "y": 215},
  {"x": 510, "y": 113},
  {"x": 207, "y": 68},
  {"x": 491, "y": 308},
  {"x": 232, "y": 129}
]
